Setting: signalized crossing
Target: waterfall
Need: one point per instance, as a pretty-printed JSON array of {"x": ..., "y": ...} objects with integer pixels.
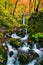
[
  {"x": 35, "y": 47},
  {"x": 24, "y": 18},
  {"x": 12, "y": 52}
]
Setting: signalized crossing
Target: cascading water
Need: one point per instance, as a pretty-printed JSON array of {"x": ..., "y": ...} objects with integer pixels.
[
  {"x": 12, "y": 52},
  {"x": 15, "y": 36},
  {"x": 37, "y": 50},
  {"x": 24, "y": 18},
  {"x": 33, "y": 62},
  {"x": 11, "y": 59}
]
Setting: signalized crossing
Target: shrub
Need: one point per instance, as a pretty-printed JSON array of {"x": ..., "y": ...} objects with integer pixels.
[
  {"x": 3, "y": 56},
  {"x": 1, "y": 35},
  {"x": 37, "y": 36},
  {"x": 35, "y": 23}
]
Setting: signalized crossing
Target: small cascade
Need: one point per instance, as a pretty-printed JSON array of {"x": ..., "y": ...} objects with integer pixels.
[
  {"x": 32, "y": 63},
  {"x": 15, "y": 36},
  {"x": 24, "y": 49},
  {"x": 24, "y": 18},
  {"x": 24, "y": 38},
  {"x": 17, "y": 62},
  {"x": 38, "y": 52},
  {"x": 12, "y": 54},
  {"x": 34, "y": 47}
]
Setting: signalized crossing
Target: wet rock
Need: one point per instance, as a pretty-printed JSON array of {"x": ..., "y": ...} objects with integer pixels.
[
  {"x": 30, "y": 42},
  {"x": 33, "y": 55},
  {"x": 6, "y": 48},
  {"x": 8, "y": 35},
  {"x": 41, "y": 63},
  {"x": 11, "y": 53},
  {"x": 31, "y": 45},
  {"x": 20, "y": 33},
  {"x": 40, "y": 45}
]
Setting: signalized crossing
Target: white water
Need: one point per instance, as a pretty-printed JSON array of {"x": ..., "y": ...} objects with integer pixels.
[
  {"x": 24, "y": 38},
  {"x": 14, "y": 36},
  {"x": 17, "y": 37},
  {"x": 38, "y": 52},
  {"x": 32, "y": 63},
  {"x": 11, "y": 59},
  {"x": 23, "y": 18},
  {"x": 25, "y": 49},
  {"x": 34, "y": 47}
]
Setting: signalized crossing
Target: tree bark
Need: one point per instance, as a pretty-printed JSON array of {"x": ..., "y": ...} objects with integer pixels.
[
  {"x": 34, "y": 4},
  {"x": 37, "y": 6},
  {"x": 15, "y": 7},
  {"x": 5, "y": 4}
]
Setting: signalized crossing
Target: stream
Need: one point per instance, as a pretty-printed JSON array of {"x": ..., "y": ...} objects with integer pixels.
[{"x": 13, "y": 59}]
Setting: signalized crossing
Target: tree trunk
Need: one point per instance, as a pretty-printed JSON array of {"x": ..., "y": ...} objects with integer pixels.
[
  {"x": 37, "y": 6},
  {"x": 34, "y": 4},
  {"x": 30, "y": 6},
  {"x": 5, "y": 4},
  {"x": 15, "y": 7}
]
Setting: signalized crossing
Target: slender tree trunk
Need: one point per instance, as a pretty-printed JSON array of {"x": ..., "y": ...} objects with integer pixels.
[
  {"x": 30, "y": 5},
  {"x": 37, "y": 6},
  {"x": 5, "y": 4},
  {"x": 15, "y": 7},
  {"x": 34, "y": 4}
]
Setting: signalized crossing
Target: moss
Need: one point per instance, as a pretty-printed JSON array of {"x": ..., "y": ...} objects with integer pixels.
[
  {"x": 15, "y": 42},
  {"x": 20, "y": 33},
  {"x": 23, "y": 59}
]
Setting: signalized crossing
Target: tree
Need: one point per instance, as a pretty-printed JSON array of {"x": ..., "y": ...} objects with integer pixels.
[
  {"x": 15, "y": 7},
  {"x": 37, "y": 5},
  {"x": 5, "y": 4},
  {"x": 34, "y": 4}
]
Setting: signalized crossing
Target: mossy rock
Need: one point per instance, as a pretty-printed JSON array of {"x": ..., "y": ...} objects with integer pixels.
[
  {"x": 41, "y": 63},
  {"x": 15, "y": 42},
  {"x": 20, "y": 33},
  {"x": 3, "y": 56},
  {"x": 23, "y": 59}
]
